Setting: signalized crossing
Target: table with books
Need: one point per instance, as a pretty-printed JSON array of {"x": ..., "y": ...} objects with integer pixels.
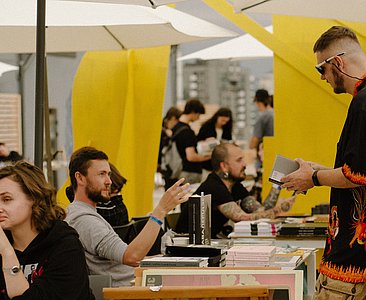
[
  {"x": 306, "y": 235},
  {"x": 233, "y": 258}
]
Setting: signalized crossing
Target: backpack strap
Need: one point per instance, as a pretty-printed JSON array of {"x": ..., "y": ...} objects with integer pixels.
[{"x": 179, "y": 130}]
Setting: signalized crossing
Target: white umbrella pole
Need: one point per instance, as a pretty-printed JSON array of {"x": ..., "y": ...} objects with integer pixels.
[{"x": 40, "y": 91}]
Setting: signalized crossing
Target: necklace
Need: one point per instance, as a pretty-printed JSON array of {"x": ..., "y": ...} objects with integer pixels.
[{"x": 359, "y": 85}]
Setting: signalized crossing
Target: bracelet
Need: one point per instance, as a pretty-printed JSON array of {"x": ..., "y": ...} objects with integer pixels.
[
  {"x": 156, "y": 220},
  {"x": 315, "y": 179}
]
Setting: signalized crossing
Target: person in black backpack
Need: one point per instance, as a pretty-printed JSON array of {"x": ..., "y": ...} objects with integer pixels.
[
  {"x": 169, "y": 121},
  {"x": 186, "y": 142}
]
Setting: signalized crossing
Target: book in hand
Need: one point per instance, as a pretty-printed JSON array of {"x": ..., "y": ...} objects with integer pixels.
[
  {"x": 199, "y": 219},
  {"x": 206, "y": 147},
  {"x": 282, "y": 167}
]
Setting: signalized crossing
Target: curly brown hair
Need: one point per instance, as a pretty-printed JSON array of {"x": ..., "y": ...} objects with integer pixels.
[{"x": 45, "y": 209}]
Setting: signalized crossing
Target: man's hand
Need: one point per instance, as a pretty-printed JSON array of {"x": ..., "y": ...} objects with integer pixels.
[
  {"x": 176, "y": 194},
  {"x": 300, "y": 180}
]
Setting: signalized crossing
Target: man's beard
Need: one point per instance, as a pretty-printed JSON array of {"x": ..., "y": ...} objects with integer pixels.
[
  {"x": 96, "y": 196},
  {"x": 237, "y": 178},
  {"x": 339, "y": 83}
]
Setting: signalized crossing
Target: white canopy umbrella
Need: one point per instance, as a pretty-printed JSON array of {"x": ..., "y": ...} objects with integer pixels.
[
  {"x": 349, "y": 10},
  {"x": 82, "y": 26},
  {"x": 7, "y": 68},
  {"x": 242, "y": 47},
  {"x": 151, "y": 3}
]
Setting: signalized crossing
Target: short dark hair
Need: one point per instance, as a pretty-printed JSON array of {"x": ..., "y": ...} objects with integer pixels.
[
  {"x": 334, "y": 34},
  {"x": 30, "y": 178},
  {"x": 219, "y": 154},
  {"x": 194, "y": 106},
  {"x": 80, "y": 162},
  {"x": 262, "y": 96}
]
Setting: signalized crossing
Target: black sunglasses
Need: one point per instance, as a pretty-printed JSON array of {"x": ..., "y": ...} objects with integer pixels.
[{"x": 320, "y": 66}]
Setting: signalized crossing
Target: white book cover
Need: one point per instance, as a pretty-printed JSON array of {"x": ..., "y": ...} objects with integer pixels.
[
  {"x": 286, "y": 260},
  {"x": 282, "y": 166}
]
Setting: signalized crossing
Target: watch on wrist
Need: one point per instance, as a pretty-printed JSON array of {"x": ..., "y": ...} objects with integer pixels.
[
  {"x": 315, "y": 179},
  {"x": 13, "y": 270}
]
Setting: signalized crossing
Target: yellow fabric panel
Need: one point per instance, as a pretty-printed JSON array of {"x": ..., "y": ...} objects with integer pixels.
[
  {"x": 117, "y": 107},
  {"x": 308, "y": 118},
  {"x": 308, "y": 115}
]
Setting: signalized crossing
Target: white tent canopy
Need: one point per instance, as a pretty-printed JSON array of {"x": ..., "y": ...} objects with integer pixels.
[
  {"x": 151, "y": 3},
  {"x": 242, "y": 47},
  {"x": 83, "y": 26},
  {"x": 349, "y": 10},
  {"x": 7, "y": 68}
]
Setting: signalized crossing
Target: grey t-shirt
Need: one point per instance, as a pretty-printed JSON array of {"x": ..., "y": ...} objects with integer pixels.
[
  {"x": 104, "y": 249},
  {"x": 264, "y": 125}
]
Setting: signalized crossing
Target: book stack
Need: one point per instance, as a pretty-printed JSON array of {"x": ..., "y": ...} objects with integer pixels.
[
  {"x": 250, "y": 256},
  {"x": 286, "y": 262},
  {"x": 216, "y": 255},
  {"x": 176, "y": 261},
  {"x": 304, "y": 229},
  {"x": 261, "y": 227},
  {"x": 267, "y": 227},
  {"x": 243, "y": 228}
]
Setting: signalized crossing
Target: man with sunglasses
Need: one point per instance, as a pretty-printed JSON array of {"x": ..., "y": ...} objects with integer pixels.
[{"x": 342, "y": 63}]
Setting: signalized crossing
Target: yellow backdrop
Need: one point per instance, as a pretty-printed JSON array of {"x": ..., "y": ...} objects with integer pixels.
[
  {"x": 117, "y": 107},
  {"x": 308, "y": 115}
]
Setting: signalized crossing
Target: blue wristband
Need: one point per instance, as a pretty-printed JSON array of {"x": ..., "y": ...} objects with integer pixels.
[{"x": 156, "y": 220}]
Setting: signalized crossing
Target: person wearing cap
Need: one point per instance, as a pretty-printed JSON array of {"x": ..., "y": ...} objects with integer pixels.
[{"x": 264, "y": 124}]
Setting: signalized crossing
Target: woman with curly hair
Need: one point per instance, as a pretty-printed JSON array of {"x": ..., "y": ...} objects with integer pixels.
[{"x": 41, "y": 256}]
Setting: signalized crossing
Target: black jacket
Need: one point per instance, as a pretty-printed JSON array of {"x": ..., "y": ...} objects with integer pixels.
[{"x": 54, "y": 264}]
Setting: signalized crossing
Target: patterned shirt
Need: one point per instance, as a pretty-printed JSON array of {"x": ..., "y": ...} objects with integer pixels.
[{"x": 345, "y": 252}]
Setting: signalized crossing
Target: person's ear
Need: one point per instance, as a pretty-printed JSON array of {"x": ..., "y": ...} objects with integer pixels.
[
  {"x": 79, "y": 178},
  {"x": 223, "y": 167},
  {"x": 339, "y": 62}
]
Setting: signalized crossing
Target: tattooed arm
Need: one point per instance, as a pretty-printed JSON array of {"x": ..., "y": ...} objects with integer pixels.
[{"x": 233, "y": 211}]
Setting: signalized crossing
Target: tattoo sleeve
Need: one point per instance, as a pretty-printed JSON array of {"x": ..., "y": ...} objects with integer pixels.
[{"x": 232, "y": 211}]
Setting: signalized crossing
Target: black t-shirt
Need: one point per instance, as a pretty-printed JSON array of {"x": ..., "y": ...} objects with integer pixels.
[
  {"x": 345, "y": 252},
  {"x": 219, "y": 195},
  {"x": 186, "y": 139}
]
